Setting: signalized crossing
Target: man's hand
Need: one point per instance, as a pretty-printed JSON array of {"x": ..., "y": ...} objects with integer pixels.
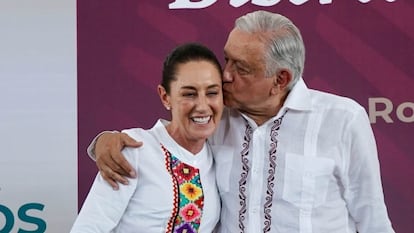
[{"x": 111, "y": 162}]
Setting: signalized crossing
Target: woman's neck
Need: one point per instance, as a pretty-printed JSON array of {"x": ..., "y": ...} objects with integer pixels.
[{"x": 193, "y": 146}]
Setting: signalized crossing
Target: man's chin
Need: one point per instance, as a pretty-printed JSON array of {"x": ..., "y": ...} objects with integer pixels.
[{"x": 229, "y": 104}]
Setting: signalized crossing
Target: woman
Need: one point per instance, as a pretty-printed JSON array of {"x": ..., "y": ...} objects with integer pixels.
[{"x": 176, "y": 189}]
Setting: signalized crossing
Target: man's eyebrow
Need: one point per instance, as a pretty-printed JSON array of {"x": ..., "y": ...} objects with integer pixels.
[
  {"x": 240, "y": 61},
  {"x": 243, "y": 63}
]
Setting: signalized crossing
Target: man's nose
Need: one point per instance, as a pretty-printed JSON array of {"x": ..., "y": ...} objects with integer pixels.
[{"x": 227, "y": 77}]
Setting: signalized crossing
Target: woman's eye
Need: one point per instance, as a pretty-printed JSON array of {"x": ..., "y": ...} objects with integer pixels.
[
  {"x": 189, "y": 94},
  {"x": 212, "y": 93}
]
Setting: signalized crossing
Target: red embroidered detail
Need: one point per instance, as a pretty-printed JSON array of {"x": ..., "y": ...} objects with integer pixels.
[
  {"x": 171, "y": 223},
  {"x": 188, "y": 195}
]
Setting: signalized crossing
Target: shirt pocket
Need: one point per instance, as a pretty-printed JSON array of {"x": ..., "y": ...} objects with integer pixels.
[
  {"x": 223, "y": 159},
  {"x": 306, "y": 180}
]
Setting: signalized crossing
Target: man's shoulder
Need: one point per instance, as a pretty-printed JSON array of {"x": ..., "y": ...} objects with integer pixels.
[{"x": 327, "y": 100}]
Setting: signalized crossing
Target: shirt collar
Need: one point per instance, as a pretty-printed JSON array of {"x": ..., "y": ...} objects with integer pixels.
[{"x": 299, "y": 98}]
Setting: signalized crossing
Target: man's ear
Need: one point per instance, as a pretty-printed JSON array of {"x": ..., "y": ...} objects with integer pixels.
[
  {"x": 281, "y": 81},
  {"x": 164, "y": 97},
  {"x": 283, "y": 78}
]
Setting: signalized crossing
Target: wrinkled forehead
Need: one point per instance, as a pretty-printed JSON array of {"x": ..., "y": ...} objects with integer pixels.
[{"x": 242, "y": 45}]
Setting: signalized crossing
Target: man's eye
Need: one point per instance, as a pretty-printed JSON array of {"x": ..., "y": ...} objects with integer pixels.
[
  {"x": 242, "y": 71},
  {"x": 189, "y": 94}
]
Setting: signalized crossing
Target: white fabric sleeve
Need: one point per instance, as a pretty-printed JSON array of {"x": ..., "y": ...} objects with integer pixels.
[
  {"x": 364, "y": 194},
  {"x": 104, "y": 207}
]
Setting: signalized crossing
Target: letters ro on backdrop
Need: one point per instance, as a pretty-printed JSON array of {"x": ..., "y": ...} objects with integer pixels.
[{"x": 381, "y": 107}]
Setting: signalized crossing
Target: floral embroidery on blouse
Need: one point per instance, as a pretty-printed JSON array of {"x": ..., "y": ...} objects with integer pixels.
[{"x": 188, "y": 195}]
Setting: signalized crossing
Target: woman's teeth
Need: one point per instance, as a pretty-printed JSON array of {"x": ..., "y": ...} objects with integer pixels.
[{"x": 201, "y": 120}]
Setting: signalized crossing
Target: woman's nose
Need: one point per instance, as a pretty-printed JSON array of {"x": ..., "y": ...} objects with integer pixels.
[{"x": 202, "y": 103}]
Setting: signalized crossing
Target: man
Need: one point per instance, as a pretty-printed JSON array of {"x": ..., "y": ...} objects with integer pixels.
[{"x": 291, "y": 159}]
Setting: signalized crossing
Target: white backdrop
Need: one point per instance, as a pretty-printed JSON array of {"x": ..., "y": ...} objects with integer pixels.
[{"x": 38, "y": 126}]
